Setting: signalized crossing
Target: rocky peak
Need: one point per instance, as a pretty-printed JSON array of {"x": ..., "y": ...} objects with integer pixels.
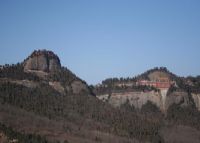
[{"x": 42, "y": 60}]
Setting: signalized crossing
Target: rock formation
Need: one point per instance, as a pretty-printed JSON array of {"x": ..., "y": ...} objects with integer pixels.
[
  {"x": 79, "y": 86},
  {"x": 156, "y": 78},
  {"x": 42, "y": 60},
  {"x": 46, "y": 65},
  {"x": 196, "y": 98},
  {"x": 160, "y": 99}
]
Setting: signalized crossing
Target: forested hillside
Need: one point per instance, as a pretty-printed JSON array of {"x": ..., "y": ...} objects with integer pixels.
[{"x": 42, "y": 104}]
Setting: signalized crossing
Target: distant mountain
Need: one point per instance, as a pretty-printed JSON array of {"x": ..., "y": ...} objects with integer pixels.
[
  {"x": 161, "y": 74},
  {"x": 41, "y": 101},
  {"x": 158, "y": 85},
  {"x": 43, "y": 65}
]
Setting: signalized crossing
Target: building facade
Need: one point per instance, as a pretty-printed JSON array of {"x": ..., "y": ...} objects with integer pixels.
[{"x": 162, "y": 83}]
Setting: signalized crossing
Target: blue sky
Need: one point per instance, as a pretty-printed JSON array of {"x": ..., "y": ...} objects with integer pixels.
[{"x": 98, "y": 39}]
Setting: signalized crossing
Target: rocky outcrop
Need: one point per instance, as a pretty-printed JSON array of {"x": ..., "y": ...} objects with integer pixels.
[
  {"x": 196, "y": 98},
  {"x": 181, "y": 98},
  {"x": 58, "y": 87},
  {"x": 46, "y": 65},
  {"x": 160, "y": 99},
  {"x": 79, "y": 87},
  {"x": 42, "y": 60},
  {"x": 26, "y": 83},
  {"x": 137, "y": 99}
]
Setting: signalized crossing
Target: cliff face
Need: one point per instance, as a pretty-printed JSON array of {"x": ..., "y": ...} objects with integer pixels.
[
  {"x": 181, "y": 98},
  {"x": 137, "y": 99},
  {"x": 196, "y": 98},
  {"x": 171, "y": 89},
  {"x": 42, "y": 60},
  {"x": 160, "y": 99}
]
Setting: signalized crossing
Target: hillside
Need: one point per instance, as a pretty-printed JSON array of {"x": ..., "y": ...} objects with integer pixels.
[
  {"x": 44, "y": 67},
  {"x": 38, "y": 96},
  {"x": 158, "y": 85},
  {"x": 41, "y": 101}
]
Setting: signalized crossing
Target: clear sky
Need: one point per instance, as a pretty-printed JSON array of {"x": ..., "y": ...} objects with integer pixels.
[{"x": 97, "y": 39}]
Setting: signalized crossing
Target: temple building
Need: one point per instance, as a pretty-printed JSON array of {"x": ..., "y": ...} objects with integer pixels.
[{"x": 162, "y": 83}]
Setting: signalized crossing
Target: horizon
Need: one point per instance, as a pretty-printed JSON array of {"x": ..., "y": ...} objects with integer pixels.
[
  {"x": 100, "y": 39},
  {"x": 107, "y": 77}
]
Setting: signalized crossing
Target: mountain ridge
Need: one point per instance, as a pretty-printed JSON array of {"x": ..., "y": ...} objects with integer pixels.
[
  {"x": 158, "y": 85},
  {"x": 56, "y": 106},
  {"x": 45, "y": 65}
]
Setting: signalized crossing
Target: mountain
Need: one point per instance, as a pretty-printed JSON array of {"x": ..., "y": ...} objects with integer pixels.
[
  {"x": 159, "y": 86},
  {"x": 44, "y": 66},
  {"x": 41, "y": 101}
]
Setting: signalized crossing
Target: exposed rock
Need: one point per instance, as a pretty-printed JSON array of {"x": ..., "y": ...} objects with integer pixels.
[
  {"x": 160, "y": 99},
  {"x": 163, "y": 93},
  {"x": 137, "y": 99},
  {"x": 196, "y": 98},
  {"x": 40, "y": 74},
  {"x": 47, "y": 66},
  {"x": 26, "y": 83},
  {"x": 58, "y": 87},
  {"x": 181, "y": 98},
  {"x": 159, "y": 78},
  {"x": 79, "y": 86},
  {"x": 104, "y": 97},
  {"x": 42, "y": 60}
]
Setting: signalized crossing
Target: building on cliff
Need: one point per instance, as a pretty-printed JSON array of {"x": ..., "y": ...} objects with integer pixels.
[{"x": 162, "y": 83}]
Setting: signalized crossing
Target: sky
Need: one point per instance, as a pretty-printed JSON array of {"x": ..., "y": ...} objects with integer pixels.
[{"x": 98, "y": 39}]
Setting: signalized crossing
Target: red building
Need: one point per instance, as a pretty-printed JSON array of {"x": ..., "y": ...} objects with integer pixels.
[{"x": 161, "y": 83}]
